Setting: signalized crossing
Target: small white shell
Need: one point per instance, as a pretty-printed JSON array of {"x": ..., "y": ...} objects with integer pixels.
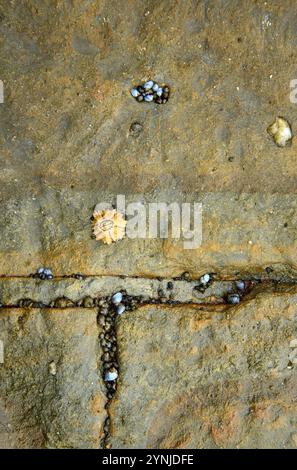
[
  {"x": 47, "y": 272},
  {"x": 240, "y": 285},
  {"x": 120, "y": 309},
  {"x": 148, "y": 85},
  {"x": 156, "y": 87},
  {"x": 148, "y": 98},
  {"x": 233, "y": 299},
  {"x": 160, "y": 91},
  {"x": 110, "y": 376},
  {"x": 135, "y": 92},
  {"x": 117, "y": 298},
  {"x": 205, "y": 279}
]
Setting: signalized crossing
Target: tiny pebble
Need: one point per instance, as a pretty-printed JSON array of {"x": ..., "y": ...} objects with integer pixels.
[{"x": 52, "y": 368}]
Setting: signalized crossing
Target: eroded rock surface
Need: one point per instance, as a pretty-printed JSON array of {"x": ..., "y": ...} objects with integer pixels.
[
  {"x": 51, "y": 391},
  {"x": 67, "y": 68},
  {"x": 195, "y": 378},
  {"x": 189, "y": 378}
]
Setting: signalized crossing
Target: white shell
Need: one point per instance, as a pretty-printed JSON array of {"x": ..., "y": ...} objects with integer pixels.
[
  {"x": 205, "y": 279},
  {"x": 160, "y": 91},
  {"x": 148, "y": 85},
  {"x": 240, "y": 285},
  {"x": 120, "y": 309},
  {"x": 233, "y": 299},
  {"x": 156, "y": 87},
  {"x": 47, "y": 272},
  {"x": 110, "y": 376},
  {"x": 108, "y": 225},
  {"x": 135, "y": 92},
  {"x": 117, "y": 298},
  {"x": 148, "y": 98}
]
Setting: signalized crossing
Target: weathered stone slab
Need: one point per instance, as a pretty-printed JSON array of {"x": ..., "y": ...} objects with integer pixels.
[
  {"x": 208, "y": 379},
  {"x": 51, "y": 391},
  {"x": 65, "y": 140}
]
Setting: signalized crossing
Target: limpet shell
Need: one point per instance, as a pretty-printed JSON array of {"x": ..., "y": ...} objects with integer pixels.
[{"x": 108, "y": 226}]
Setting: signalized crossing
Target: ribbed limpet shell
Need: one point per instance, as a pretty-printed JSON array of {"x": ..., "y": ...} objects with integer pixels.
[{"x": 108, "y": 226}]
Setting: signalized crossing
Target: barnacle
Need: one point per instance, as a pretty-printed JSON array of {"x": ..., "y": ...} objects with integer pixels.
[
  {"x": 280, "y": 131},
  {"x": 108, "y": 225}
]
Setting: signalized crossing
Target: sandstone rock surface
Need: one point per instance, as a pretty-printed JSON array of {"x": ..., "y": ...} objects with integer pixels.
[
  {"x": 193, "y": 378},
  {"x": 67, "y": 68},
  {"x": 51, "y": 391},
  {"x": 190, "y": 376}
]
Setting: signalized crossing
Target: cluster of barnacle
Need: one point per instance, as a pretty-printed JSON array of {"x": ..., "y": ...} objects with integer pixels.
[{"x": 151, "y": 91}]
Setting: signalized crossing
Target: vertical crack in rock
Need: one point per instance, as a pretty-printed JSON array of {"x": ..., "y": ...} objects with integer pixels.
[
  {"x": 110, "y": 366},
  {"x": 110, "y": 308}
]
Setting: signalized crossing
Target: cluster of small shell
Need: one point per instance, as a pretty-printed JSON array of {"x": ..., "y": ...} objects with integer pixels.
[
  {"x": 108, "y": 312},
  {"x": 43, "y": 273},
  {"x": 109, "y": 309},
  {"x": 151, "y": 91},
  {"x": 234, "y": 298}
]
